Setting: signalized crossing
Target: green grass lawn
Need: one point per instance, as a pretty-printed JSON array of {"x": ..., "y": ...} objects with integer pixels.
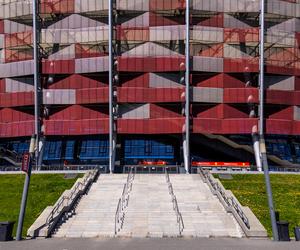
[
  {"x": 250, "y": 190},
  {"x": 45, "y": 189}
]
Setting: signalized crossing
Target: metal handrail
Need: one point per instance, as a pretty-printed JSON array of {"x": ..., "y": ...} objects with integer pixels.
[
  {"x": 175, "y": 204},
  {"x": 229, "y": 200},
  {"x": 63, "y": 167},
  {"x": 79, "y": 186},
  {"x": 4, "y": 152},
  {"x": 123, "y": 202},
  {"x": 117, "y": 215}
]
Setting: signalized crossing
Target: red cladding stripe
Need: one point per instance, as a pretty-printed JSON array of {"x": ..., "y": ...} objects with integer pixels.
[
  {"x": 223, "y": 126},
  {"x": 77, "y": 127},
  {"x": 24, "y": 128},
  {"x": 148, "y": 95},
  {"x": 157, "y": 64},
  {"x": 58, "y": 67},
  {"x": 150, "y": 126},
  {"x": 241, "y": 65},
  {"x": 16, "y": 99},
  {"x": 92, "y": 95},
  {"x": 240, "y": 95}
]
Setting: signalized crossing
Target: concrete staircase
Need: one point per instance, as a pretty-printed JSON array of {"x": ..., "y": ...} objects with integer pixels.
[
  {"x": 202, "y": 212},
  {"x": 150, "y": 210},
  {"x": 95, "y": 214}
]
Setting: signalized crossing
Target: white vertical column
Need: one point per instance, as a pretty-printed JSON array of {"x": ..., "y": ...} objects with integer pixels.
[
  {"x": 36, "y": 76},
  {"x": 110, "y": 69},
  {"x": 186, "y": 140}
]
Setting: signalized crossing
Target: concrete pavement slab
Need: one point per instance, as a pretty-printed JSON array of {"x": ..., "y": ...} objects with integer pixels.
[{"x": 149, "y": 244}]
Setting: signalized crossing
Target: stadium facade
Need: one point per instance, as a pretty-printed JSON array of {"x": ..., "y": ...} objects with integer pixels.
[{"x": 123, "y": 81}]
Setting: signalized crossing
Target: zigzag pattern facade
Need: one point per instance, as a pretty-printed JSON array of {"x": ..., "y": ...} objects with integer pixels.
[{"x": 149, "y": 43}]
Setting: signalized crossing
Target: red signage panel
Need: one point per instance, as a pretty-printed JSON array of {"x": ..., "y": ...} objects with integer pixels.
[{"x": 25, "y": 162}]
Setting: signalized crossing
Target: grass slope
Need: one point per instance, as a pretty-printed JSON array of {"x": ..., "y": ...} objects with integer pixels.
[
  {"x": 45, "y": 189},
  {"x": 250, "y": 190}
]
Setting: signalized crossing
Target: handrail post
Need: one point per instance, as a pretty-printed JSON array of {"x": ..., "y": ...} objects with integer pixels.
[
  {"x": 230, "y": 201},
  {"x": 123, "y": 201}
]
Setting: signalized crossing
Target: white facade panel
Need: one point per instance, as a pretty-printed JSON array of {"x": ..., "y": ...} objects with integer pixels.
[
  {"x": 13, "y": 69},
  {"x": 16, "y": 86},
  {"x": 140, "y": 5},
  {"x": 208, "y": 34},
  {"x": 209, "y": 64},
  {"x": 167, "y": 33},
  {"x": 16, "y": 9},
  {"x": 67, "y": 36},
  {"x": 207, "y": 95},
  {"x": 134, "y": 111},
  {"x": 59, "y": 96},
  {"x": 82, "y": 6},
  {"x": 94, "y": 64}
]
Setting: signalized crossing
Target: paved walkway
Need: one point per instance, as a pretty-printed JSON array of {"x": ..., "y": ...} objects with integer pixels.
[{"x": 149, "y": 244}]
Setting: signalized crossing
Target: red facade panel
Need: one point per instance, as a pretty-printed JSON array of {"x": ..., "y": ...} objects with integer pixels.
[
  {"x": 238, "y": 126},
  {"x": 221, "y": 81},
  {"x": 151, "y": 126},
  {"x": 17, "y": 129},
  {"x": 8, "y": 115},
  {"x": 58, "y": 67},
  {"x": 240, "y": 95},
  {"x": 280, "y": 97},
  {"x": 2, "y": 86},
  {"x": 272, "y": 68},
  {"x": 149, "y": 95},
  {"x": 296, "y": 97},
  {"x": 167, "y": 4},
  {"x": 1, "y": 26},
  {"x": 16, "y": 99},
  {"x": 157, "y": 64},
  {"x": 296, "y": 127},
  {"x": 207, "y": 125},
  {"x": 241, "y": 65},
  {"x": 77, "y": 127},
  {"x": 223, "y": 126},
  {"x": 283, "y": 127},
  {"x": 92, "y": 95}
]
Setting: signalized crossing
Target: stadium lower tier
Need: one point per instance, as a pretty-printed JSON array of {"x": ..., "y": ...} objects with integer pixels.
[{"x": 141, "y": 149}]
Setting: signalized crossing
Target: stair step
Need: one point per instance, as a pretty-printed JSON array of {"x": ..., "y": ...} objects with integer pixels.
[{"x": 150, "y": 209}]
